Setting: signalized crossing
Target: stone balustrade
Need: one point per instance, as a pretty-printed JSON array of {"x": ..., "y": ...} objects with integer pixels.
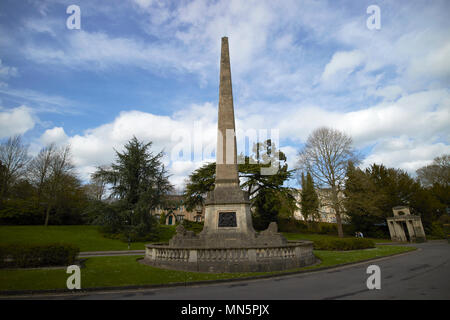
[{"x": 250, "y": 259}]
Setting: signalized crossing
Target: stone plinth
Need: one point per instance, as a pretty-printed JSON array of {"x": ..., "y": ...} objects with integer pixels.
[{"x": 292, "y": 255}]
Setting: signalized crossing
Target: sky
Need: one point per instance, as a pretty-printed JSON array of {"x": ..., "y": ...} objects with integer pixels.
[{"x": 150, "y": 69}]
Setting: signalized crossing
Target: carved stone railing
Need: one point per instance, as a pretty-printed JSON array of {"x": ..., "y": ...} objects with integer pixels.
[{"x": 291, "y": 255}]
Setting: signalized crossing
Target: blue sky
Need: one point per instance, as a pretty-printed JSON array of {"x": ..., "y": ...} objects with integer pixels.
[{"x": 150, "y": 68}]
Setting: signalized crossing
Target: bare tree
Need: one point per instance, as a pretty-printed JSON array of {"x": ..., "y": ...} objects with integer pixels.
[
  {"x": 96, "y": 189},
  {"x": 437, "y": 172},
  {"x": 39, "y": 169},
  {"x": 326, "y": 155},
  {"x": 49, "y": 171},
  {"x": 13, "y": 159}
]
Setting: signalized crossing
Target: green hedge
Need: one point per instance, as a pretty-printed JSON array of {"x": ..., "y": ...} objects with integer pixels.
[
  {"x": 343, "y": 244},
  {"x": 28, "y": 256},
  {"x": 193, "y": 226},
  {"x": 292, "y": 225}
]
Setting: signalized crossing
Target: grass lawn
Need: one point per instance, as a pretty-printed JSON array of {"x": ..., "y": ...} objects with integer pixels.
[
  {"x": 314, "y": 236},
  {"x": 86, "y": 237},
  {"x": 125, "y": 270}
]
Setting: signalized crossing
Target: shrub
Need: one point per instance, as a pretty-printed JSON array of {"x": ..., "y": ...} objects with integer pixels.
[
  {"x": 328, "y": 228},
  {"x": 292, "y": 225},
  {"x": 193, "y": 226},
  {"x": 343, "y": 244},
  {"x": 437, "y": 231},
  {"x": 28, "y": 256}
]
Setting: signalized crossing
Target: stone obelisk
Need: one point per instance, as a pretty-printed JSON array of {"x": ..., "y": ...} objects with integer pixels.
[
  {"x": 228, "y": 242},
  {"x": 227, "y": 207},
  {"x": 226, "y": 160}
]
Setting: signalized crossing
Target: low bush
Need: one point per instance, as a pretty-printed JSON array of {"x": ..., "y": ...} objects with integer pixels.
[
  {"x": 343, "y": 244},
  {"x": 328, "y": 228},
  {"x": 437, "y": 230},
  {"x": 292, "y": 225},
  {"x": 193, "y": 226},
  {"x": 28, "y": 256}
]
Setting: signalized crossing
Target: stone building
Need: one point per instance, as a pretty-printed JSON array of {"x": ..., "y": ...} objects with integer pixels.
[
  {"x": 404, "y": 226},
  {"x": 326, "y": 211},
  {"x": 175, "y": 211}
]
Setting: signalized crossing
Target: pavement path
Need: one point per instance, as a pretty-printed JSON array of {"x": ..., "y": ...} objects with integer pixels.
[{"x": 88, "y": 254}]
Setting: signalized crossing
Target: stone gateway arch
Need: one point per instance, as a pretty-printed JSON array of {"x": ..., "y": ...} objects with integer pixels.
[{"x": 228, "y": 242}]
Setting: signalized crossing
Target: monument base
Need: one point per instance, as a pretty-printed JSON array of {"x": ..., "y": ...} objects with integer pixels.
[{"x": 217, "y": 260}]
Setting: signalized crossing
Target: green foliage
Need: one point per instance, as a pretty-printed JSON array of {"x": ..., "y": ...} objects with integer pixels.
[
  {"x": 139, "y": 183},
  {"x": 269, "y": 197},
  {"x": 193, "y": 225},
  {"x": 309, "y": 198},
  {"x": 137, "y": 175},
  {"x": 292, "y": 225},
  {"x": 27, "y": 256},
  {"x": 327, "y": 228},
  {"x": 200, "y": 182},
  {"x": 343, "y": 244},
  {"x": 437, "y": 230},
  {"x": 370, "y": 196},
  {"x": 165, "y": 233},
  {"x": 20, "y": 212}
]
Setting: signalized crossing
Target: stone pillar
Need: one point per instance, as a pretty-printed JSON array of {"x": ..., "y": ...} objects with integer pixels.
[
  {"x": 399, "y": 232},
  {"x": 409, "y": 226},
  {"x": 192, "y": 256},
  {"x": 390, "y": 224}
]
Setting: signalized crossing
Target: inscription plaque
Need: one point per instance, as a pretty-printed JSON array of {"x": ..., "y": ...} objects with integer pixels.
[{"x": 227, "y": 219}]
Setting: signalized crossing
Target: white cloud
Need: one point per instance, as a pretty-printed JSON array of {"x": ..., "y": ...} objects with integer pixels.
[
  {"x": 55, "y": 135},
  {"x": 342, "y": 62},
  {"x": 96, "y": 146},
  {"x": 15, "y": 121},
  {"x": 405, "y": 153}
]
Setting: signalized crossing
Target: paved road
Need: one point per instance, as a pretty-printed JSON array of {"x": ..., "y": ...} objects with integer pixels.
[{"x": 423, "y": 274}]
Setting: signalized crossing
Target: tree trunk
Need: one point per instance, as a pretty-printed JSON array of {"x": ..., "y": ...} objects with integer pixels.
[
  {"x": 339, "y": 224},
  {"x": 47, "y": 214}
]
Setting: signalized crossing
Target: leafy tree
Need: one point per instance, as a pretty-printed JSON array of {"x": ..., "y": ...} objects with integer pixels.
[
  {"x": 268, "y": 195},
  {"x": 309, "y": 199},
  {"x": 139, "y": 182},
  {"x": 395, "y": 186},
  {"x": 326, "y": 155},
  {"x": 363, "y": 201},
  {"x": 162, "y": 218},
  {"x": 198, "y": 184},
  {"x": 370, "y": 196}
]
